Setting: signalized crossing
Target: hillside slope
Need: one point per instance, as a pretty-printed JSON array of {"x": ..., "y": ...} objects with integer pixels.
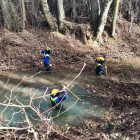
[{"x": 22, "y": 51}]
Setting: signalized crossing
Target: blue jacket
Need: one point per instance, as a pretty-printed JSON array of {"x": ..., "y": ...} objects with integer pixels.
[
  {"x": 99, "y": 69},
  {"x": 46, "y": 58},
  {"x": 58, "y": 99}
]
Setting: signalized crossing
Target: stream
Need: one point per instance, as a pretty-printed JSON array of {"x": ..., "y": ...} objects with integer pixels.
[{"x": 73, "y": 110}]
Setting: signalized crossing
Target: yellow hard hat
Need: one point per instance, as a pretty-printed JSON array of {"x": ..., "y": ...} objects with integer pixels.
[
  {"x": 54, "y": 92},
  {"x": 101, "y": 59},
  {"x": 47, "y": 48}
]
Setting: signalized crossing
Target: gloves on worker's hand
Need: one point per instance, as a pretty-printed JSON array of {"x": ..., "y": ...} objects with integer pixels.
[
  {"x": 64, "y": 87},
  {"x": 50, "y": 65}
]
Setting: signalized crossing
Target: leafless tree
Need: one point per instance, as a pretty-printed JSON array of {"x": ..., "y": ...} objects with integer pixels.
[
  {"x": 43, "y": 120},
  {"x": 115, "y": 17},
  {"x": 14, "y": 13},
  {"x": 12, "y": 20},
  {"x": 48, "y": 16},
  {"x": 75, "y": 16},
  {"x": 94, "y": 14},
  {"x": 103, "y": 19},
  {"x": 60, "y": 13}
]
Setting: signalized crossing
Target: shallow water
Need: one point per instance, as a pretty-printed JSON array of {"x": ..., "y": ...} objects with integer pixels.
[{"x": 75, "y": 110}]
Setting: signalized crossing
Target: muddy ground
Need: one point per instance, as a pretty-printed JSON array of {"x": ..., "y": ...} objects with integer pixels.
[{"x": 120, "y": 88}]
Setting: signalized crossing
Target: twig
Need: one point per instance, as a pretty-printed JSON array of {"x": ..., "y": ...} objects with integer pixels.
[
  {"x": 77, "y": 75},
  {"x": 31, "y": 105},
  {"x": 5, "y": 84},
  {"x": 29, "y": 123},
  {"x": 66, "y": 109}
]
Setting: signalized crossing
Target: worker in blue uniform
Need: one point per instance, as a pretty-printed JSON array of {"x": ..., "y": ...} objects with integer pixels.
[
  {"x": 47, "y": 62},
  {"x": 56, "y": 98},
  {"x": 99, "y": 67}
]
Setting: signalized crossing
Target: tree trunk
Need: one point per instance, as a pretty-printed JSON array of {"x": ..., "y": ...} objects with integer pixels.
[
  {"x": 19, "y": 6},
  {"x": 94, "y": 14},
  {"x": 35, "y": 12},
  {"x": 102, "y": 3},
  {"x": 11, "y": 19},
  {"x": 47, "y": 14},
  {"x": 74, "y": 12},
  {"x": 115, "y": 17},
  {"x": 23, "y": 13},
  {"x": 103, "y": 20},
  {"x": 60, "y": 13}
]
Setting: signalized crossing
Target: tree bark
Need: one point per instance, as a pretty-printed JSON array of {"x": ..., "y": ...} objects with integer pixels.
[
  {"x": 102, "y": 3},
  {"x": 103, "y": 20},
  {"x": 47, "y": 14},
  {"x": 23, "y": 13},
  {"x": 35, "y": 11},
  {"x": 115, "y": 17},
  {"x": 11, "y": 19},
  {"x": 94, "y": 14},
  {"x": 74, "y": 12},
  {"x": 60, "y": 13}
]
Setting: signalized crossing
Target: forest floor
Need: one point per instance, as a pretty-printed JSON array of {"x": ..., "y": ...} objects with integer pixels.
[{"x": 120, "y": 88}]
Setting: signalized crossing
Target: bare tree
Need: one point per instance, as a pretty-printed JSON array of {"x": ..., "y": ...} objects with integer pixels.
[
  {"x": 34, "y": 11},
  {"x": 103, "y": 19},
  {"x": 23, "y": 13},
  {"x": 115, "y": 17},
  {"x": 60, "y": 13},
  {"x": 12, "y": 21},
  {"x": 75, "y": 16},
  {"x": 48, "y": 16},
  {"x": 94, "y": 14}
]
